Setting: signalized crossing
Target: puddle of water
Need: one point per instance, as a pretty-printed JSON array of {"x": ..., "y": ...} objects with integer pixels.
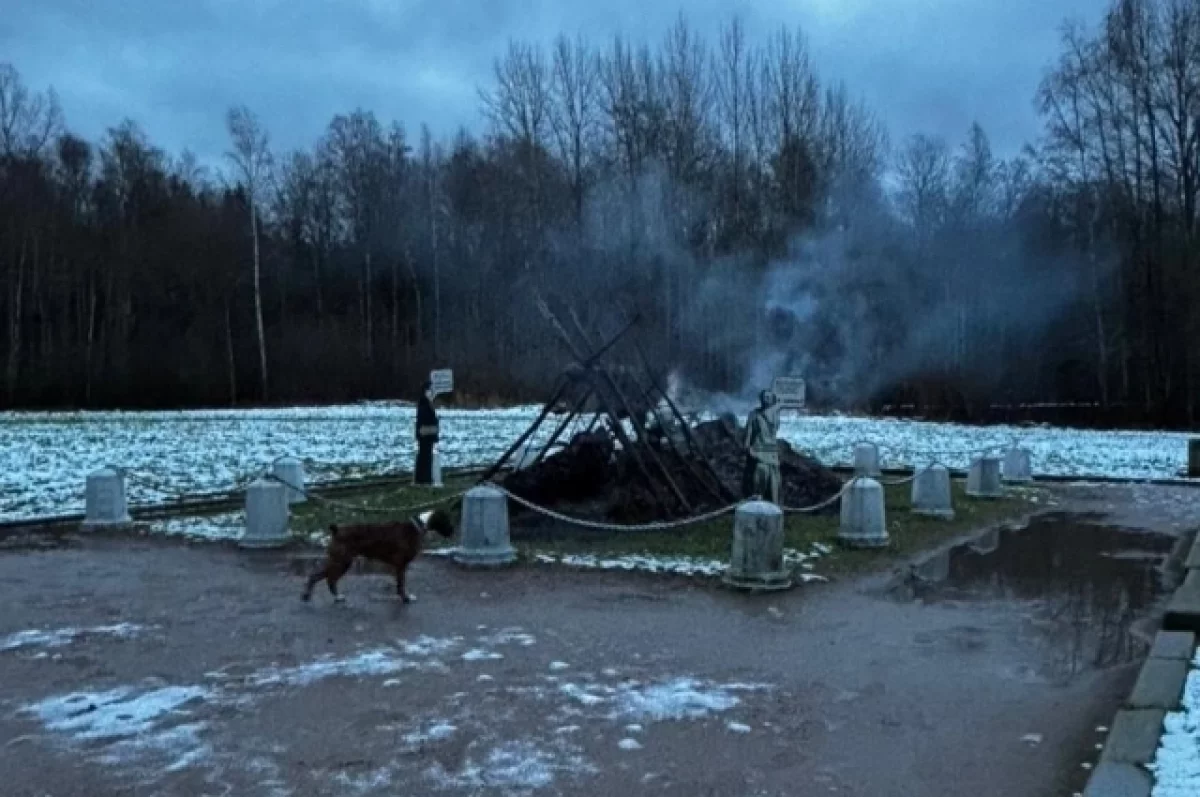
[{"x": 1082, "y": 584}]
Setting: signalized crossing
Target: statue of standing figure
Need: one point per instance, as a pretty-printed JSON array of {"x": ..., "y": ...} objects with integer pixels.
[
  {"x": 427, "y": 435},
  {"x": 761, "y": 477}
]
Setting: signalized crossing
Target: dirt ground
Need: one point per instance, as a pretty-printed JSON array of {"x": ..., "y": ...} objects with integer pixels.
[{"x": 146, "y": 667}]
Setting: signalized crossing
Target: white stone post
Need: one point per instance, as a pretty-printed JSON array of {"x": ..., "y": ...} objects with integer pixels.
[
  {"x": 756, "y": 561},
  {"x": 484, "y": 541},
  {"x": 290, "y": 473},
  {"x": 931, "y": 494},
  {"x": 983, "y": 480},
  {"x": 863, "y": 519},
  {"x": 1017, "y": 468},
  {"x": 105, "y": 502},
  {"x": 266, "y": 515},
  {"x": 866, "y": 460}
]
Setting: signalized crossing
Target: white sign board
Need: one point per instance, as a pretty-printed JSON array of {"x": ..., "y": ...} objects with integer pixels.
[
  {"x": 442, "y": 381},
  {"x": 790, "y": 392}
]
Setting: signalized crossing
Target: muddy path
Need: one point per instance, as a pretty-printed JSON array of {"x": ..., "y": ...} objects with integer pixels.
[{"x": 149, "y": 668}]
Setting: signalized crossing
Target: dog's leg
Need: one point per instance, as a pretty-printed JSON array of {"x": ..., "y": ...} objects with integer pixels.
[
  {"x": 402, "y": 570},
  {"x": 334, "y": 571},
  {"x": 313, "y": 580}
]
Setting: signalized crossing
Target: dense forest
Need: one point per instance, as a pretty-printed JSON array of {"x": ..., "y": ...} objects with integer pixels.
[{"x": 753, "y": 215}]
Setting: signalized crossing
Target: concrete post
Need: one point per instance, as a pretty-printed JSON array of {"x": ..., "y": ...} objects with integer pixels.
[
  {"x": 1017, "y": 468},
  {"x": 866, "y": 460},
  {"x": 290, "y": 472},
  {"x": 266, "y": 515},
  {"x": 931, "y": 494},
  {"x": 756, "y": 561},
  {"x": 863, "y": 520},
  {"x": 104, "y": 497},
  {"x": 983, "y": 480},
  {"x": 485, "y": 540}
]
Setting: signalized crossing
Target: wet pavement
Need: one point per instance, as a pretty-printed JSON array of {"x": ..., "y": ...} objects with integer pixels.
[
  {"x": 1082, "y": 585},
  {"x": 149, "y": 668}
]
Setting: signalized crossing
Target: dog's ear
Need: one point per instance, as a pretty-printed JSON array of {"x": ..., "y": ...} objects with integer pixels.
[{"x": 333, "y": 529}]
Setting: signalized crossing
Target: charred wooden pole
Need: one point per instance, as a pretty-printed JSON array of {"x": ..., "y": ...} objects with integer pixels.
[
  {"x": 618, "y": 429},
  {"x": 562, "y": 426},
  {"x": 546, "y": 410}
]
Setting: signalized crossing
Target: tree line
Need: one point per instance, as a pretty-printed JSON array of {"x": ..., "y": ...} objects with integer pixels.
[{"x": 745, "y": 208}]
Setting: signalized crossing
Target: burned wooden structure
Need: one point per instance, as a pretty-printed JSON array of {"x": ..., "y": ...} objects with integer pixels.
[{"x": 638, "y": 457}]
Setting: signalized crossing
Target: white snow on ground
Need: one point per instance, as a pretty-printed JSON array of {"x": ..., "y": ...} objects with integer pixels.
[
  {"x": 47, "y": 456},
  {"x": 515, "y": 766},
  {"x": 676, "y": 699},
  {"x": 676, "y": 565},
  {"x": 1176, "y": 765},
  {"x": 61, "y": 637},
  {"x": 158, "y": 729}
]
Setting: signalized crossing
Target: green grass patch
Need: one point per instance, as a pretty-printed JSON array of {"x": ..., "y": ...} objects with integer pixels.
[
  {"x": 909, "y": 533},
  {"x": 378, "y": 505}
]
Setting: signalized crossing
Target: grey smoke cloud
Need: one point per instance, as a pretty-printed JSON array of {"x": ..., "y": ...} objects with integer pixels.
[{"x": 928, "y": 65}]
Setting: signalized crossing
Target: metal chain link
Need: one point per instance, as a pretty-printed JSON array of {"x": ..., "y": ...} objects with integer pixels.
[{"x": 663, "y": 525}]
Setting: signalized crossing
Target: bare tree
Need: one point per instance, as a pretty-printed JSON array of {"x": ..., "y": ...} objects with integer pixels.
[{"x": 251, "y": 157}]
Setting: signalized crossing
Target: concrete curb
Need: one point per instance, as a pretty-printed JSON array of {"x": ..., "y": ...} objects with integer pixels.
[{"x": 1138, "y": 727}]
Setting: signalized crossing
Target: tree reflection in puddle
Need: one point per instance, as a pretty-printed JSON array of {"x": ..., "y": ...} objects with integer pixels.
[{"x": 1084, "y": 584}]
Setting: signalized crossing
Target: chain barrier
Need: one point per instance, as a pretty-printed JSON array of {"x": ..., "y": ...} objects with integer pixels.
[
  {"x": 664, "y": 525},
  {"x": 817, "y": 507}
]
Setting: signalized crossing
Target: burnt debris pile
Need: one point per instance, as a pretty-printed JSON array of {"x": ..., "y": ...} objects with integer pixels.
[{"x": 639, "y": 458}]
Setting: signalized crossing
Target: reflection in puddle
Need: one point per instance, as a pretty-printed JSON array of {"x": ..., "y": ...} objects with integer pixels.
[{"x": 1084, "y": 585}]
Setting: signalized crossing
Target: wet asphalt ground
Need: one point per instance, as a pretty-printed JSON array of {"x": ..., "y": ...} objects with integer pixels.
[{"x": 146, "y": 667}]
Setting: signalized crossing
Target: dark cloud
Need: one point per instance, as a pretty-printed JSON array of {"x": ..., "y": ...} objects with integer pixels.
[{"x": 932, "y": 66}]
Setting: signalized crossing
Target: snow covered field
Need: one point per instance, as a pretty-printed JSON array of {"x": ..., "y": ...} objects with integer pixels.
[{"x": 45, "y": 457}]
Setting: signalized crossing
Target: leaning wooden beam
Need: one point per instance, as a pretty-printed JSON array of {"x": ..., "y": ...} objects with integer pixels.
[
  {"x": 579, "y": 402},
  {"x": 546, "y": 410},
  {"x": 587, "y": 364},
  {"x": 684, "y": 459}
]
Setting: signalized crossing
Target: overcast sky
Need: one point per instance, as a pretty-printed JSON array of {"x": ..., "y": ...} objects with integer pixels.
[{"x": 175, "y": 66}]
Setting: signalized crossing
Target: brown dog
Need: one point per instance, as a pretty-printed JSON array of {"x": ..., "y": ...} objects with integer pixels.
[{"x": 394, "y": 543}]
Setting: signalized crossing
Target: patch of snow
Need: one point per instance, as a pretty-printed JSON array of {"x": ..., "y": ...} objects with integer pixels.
[
  {"x": 559, "y": 665},
  {"x": 60, "y": 637},
  {"x": 428, "y": 646},
  {"x": 382, "y": 661},
  {"x": 436, "y": 732},
  {"x": 509, "y": 636},
  {"x": 366, "y": 782},
  {"x": 738, "y": 727},
  {"x": 485, "y": 677},
  {"x": 516, "y": 765},
  {"x": 634, "y": 728},
  {"x": 677, "y": 699},
  {"x": 629, "y": 744},
  {"x": 222, "y": 526},
  {"x": 476, "y": 654},
  {"x": 1176, "y": 765},
  {"x": 119, "y": 712}
]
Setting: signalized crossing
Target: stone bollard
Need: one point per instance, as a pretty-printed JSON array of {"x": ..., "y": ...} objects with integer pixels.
[
  {"x": 436, "y": 468},
  {"x": 1193, "y": 461},
  {"x": 290, "y": 473},
  {"x": 1017, "y": 468},
  {"x": 266, "y": 515},
  {"x": 931, "y": 495},
  {"x": 105, "y": 500},
  {"x": 756, "y": 562},
  {"x": 983, "y": 480},
  {"x": 863, "y": 521},
  {"x": 866, "y": 460},
  {"x": 484, "y": 533}
]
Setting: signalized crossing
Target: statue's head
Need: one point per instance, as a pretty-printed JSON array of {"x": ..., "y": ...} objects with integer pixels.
[
  {"x": 767, "y": 399},
  {"x": 427, "y": 389}
]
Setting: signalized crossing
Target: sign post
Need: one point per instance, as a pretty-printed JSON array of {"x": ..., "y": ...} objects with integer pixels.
[
  {"x": 442, "y": 381},
  {"x": 790, "y": 392}
]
